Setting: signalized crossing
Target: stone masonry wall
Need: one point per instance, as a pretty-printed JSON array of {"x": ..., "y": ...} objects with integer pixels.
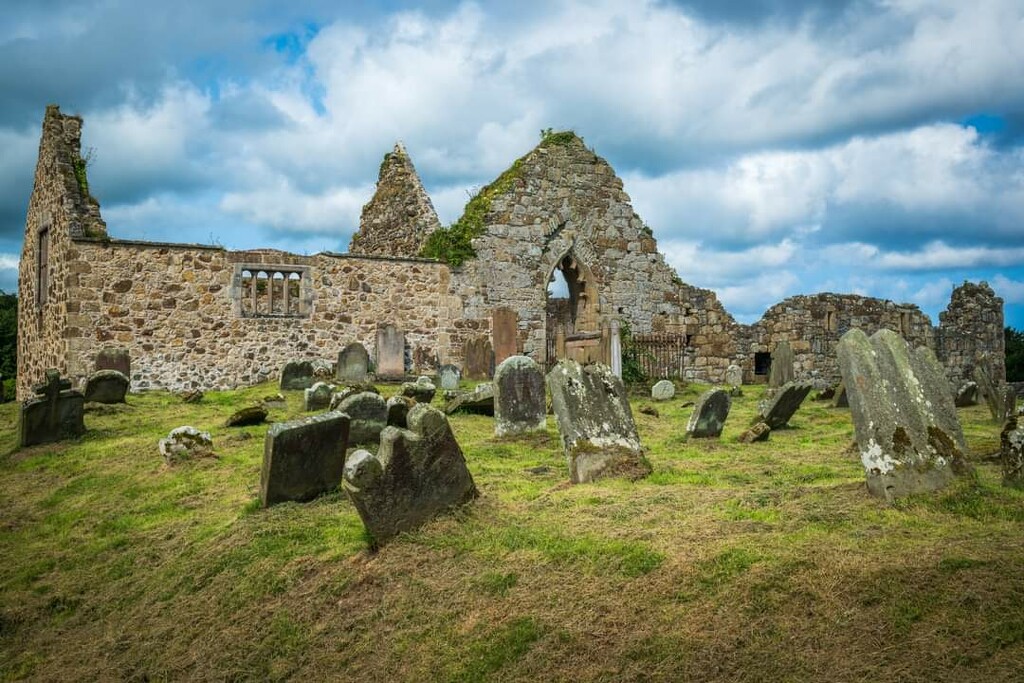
[{"x": 970, "y": 326}]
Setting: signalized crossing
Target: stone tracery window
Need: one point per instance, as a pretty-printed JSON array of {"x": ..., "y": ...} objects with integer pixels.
[{"x": 271, "y": 291}]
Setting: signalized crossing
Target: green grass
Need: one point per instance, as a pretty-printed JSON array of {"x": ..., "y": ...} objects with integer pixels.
[{"x": 765, "y": 561}]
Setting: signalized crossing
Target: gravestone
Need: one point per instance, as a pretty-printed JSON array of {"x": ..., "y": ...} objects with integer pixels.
[
  {"x": 297, "y": 374},
  {"x": 519, "y": 397},
  {"x": 398, "y": 411},
  {"x": 504, "y": 327},
  {"x": 317, "y": 397},
  {"x": 277, "y": 401},
  {"x": 112, "y": 358},
  {"x": 55, "y": 413},
  {"x": 304, "y": 458},
  {"x": 106, "y": 386},
  {"x": 782, "y": 366},
  {"x": 709, "y": 414},
  {"x": 251, "y": 415},
  {"x": 1012, "y": 453},
  {"x": 323, "y": 371},
  {"x": 777, "y": 411},
  {"x": 734, "y": 375},
  {"x": 478, "y": 358},
  {"x": 663, "y": 390},
  {"x": 757, "y": 432},
  {"x": 841, "y": 400},
  {"x": 595, "y": 421},
  {"x": 480, "y": 401},
  {"x": 903, "y": 414},
  {"x": 967, "y": 395},
  {"x": 421, "y": 391},
  {"x": 368, "y": 415},
  {"x": 417, "y": 474},
  {"x": 989, "y": 388},
  {"x": 185, "y": 443},
  {"x": 390, "y": 352},
  {"x": 353, "y": 364},
  {"x": 449, "y": 376}
]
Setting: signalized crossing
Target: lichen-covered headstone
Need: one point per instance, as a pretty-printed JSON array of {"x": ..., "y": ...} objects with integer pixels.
[
  {"x": 781, "y": 372},
  {"x": 106, "y": 386},
  {"x": 709, "y": 414},
  {"x": 663, "y": 390},
  {"x": 449, "y": 376},
  {"x": 55, "y": 413},
  {"x": 304, "y": 458},
  {"x": 112, "y": 358},
  {"x": 777, "y": 411},
  {"x": 1012, "y": 453},
  {"x": 297, "y": 374},
  {"x": 903, "y": 414},
  {"x": 185, "y": 443},
  {"x": 369, "y": 414},
  {"x": 421, "y": 391},
  {"x": 317, "y": 397},
  {"x": 594, "y": 418},
  {"x": 734, "y": 375},
  {"x": 967, "y": 395},
  {"x": 398, "y": 411},
  {"x": 519, "y": 397},
  {"x": 353, "y": 363},
  {"x": 250, "y": 415},
  {"x": 480, "y": 401},
  {"x": 417, "y": 474}
]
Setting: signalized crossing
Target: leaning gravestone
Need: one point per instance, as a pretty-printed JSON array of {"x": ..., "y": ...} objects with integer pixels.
[
  {"x": 112, "y": 358},
  {"x": 390, "y": 352},
  {"x": 250, "y": 415},
  {"x": 421, "y": 391},
  {"x": 989, "y": 388},
  {"x": 54, "y": 414},
  {"x": 297, "y": 374},
  {"x": 596, "y": 423},
  {"x": 734, "y": 375},
  {"x": 417, "y": 474},
  {"x": 663, "y": 390},
  {"x": 106, "y": 386},
  {"x": 478, "y": 358},
  {"x": 1012, "y": 453},
  {"x": 841, "y": 399},
  {"x": 519, "y": 397},
  {"x": 353, "y": 363},
  {"x": 449, "y": 376},
  {"x": 709, "y": 414},
  {"x": 304, "y": 458},
  {"x": 368, "y": 413},
  {"x": 317, "y": 397},
  {"x": 777, "y": 411},
  {"x": 480, "y": 401},
  {"x": 967, "y": 395},
  {"x": 781, "y": 372},
  {"x": 903, "y": 414}
]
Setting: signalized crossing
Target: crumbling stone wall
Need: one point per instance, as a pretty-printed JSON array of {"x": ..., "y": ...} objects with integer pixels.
[
  {"x": 400, "y": 216},
  {"x": 970, "y": 326}
]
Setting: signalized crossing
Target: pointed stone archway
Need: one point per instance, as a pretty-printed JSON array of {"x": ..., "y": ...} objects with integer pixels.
[{"x": 572, "y": 311}]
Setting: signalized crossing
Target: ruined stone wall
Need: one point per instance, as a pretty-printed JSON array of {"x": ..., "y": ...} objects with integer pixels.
[
  {"x": 970, "y": 326},
  {"x": 813, "y": 325},
  {"x": 177, "y": 309}
]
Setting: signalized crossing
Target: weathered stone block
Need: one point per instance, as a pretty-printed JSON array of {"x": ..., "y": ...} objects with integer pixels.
[
  {"x": 304, "y": 458},
  {"x": 709, "y": 414},
  {"x": 185, "y": 443},
  {"x": 519, "y": 397},
  {"x": 106, "y": 386},
  {"x": 663, "y": 390}
]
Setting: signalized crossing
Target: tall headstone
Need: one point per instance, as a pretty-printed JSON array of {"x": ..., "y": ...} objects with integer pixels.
[
  {"x": 909, "y": 438},
  {"x": 353, "y": 363},
  {"x": 449, "y": 376},
  {"x": 777, "y": 411},
  {"x": 709, "y": 414},
  {"x": 782, "y": 365},
  {"x": 417, "y": 474},
  {"x": 56, "y": 412},
  {"x": 113, "y": 358},
  {"x": 304, "y": 458},
  {"x": 616, "y": 348},
  {"x": 596, "y": 423},
  {"x": 390, "y": 351},
  {"x": 504, "y": 330},
  {"x": 519, "y": 397},
  {"x": 478, "y": 358}
]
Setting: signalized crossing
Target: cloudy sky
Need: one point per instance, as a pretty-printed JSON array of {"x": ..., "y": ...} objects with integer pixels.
[{"x": 776, "y": 147}]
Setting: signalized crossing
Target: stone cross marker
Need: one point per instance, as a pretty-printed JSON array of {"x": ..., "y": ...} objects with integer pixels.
[
  {"x": 709, "y": 414},
  {"x": 903, "y": 414},
  {"x": 520, "y": 404},
  {"x": 55, "y": 414},
  {"x": 504, "y": 327},
  {"x": 304, "y": 458},
  {"x": 353, "y": 363},
  {"x": 782, "y": 365},
  {"x": 390, "y": 351}
]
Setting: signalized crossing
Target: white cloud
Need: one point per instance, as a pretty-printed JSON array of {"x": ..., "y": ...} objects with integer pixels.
[
  {"x": 336, "y": 210},
  {"x": 1012, "y": 291},
  {"x": 9, "y": 261}
]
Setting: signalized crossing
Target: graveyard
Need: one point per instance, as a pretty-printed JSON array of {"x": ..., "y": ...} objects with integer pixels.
[{"x": 727, "y": 561}]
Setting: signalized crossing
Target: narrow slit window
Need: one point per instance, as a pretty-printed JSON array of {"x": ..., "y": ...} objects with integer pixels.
[{"x": 43, "y": 267}]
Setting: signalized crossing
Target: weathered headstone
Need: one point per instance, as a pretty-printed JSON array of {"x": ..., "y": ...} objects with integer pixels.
[
  {"x": 323, "y": 371},
  {"x": 990, "y": 389},
  {"x": 1008, "y": 404},
  {"x": 250, "y": 415},
  {"x": 317, "y": 397},
  {"x": 841, "y": 399},
  {"x": 106, "y": 386},
  {"x": 417, "y": 474},
  {"x": 185, "y": 443},
  {"x": 967, "y": 395},
  {"x": 903, "y": 414},
  {"x": 734, "y": 375},
  {"x": 304, "y": 458},
  {"x": 1012, "y": 453},
  {"x": 478, "y": 358},
  {"x": 390, "y": 352},
  {"x": 504, "y": 328},
  {"x": 594, "y": 418},
  {"x": 757, "y": 432},
  {"x": 779, "y": 409},
  {"x": 56, "y": 412},
  {"x": 421, "y": 391},
  {"x": 369, "y": 415},
  {"x": 449, "y": 376},
  {"x": 398, "y": 411},
  {"x": 112, "y": 358},
  {"x": 353, "y": 363},
  {"x": 663, "y": 390},
  {"x": 520, "y": 404},
  {"x": 709, "y": 414},
  {"x": 480, "y": 401},
  {"x": 781, "y": 372},
  {"x": 297, "y": 374}
]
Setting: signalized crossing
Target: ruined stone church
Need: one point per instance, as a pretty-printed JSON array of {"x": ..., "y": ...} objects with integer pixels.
[{"x": 200, "y": 316}]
